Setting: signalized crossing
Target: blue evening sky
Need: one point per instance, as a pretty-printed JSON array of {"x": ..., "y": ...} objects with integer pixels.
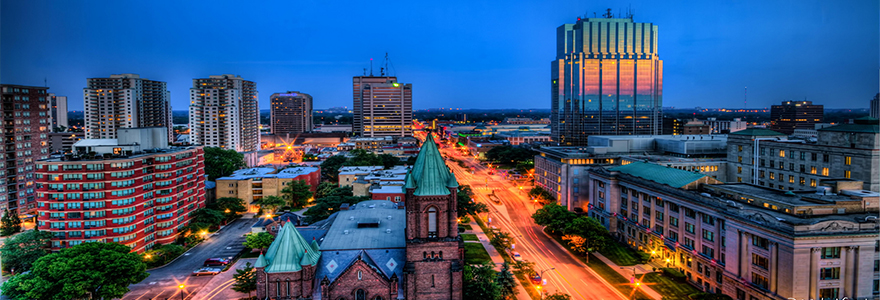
[{"x": 469, "y": 54}]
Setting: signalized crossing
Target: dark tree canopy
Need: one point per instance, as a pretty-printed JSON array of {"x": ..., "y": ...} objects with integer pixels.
[
  {"x": 260, "y": 240},
  {"x": 234, "y": 205},
  {"x": 21, "y": 251},
  {"x": 221, "y": 162},
  {"x": 324, "y": 207},
  {"x": 465, "y": 205},
  {"x": 330, "y": 167},
  {"x": 479, "y": 282},
  {"x": 245, "y": 280},
  {"x": 270, "y": 203},
  {"x": 297, "y": 193},
  {"x": 9, "y": 223},
  {"x": 510, "y": 154}
]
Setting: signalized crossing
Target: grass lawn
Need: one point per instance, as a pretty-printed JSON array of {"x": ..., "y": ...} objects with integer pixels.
[
  {"x": 668, "y": 287},
  {"x": 466, "y": 226},
  {"x": 618, "y": 281},
  {"x": 475, "y": 254},
  {"x": 621, "y": 254},
  {"x": 469, "y": 237}
]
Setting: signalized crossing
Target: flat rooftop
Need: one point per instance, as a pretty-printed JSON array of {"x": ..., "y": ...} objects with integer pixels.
[
  {"x": 250, "y": 173},
  {"x": 345, "y": 233}
]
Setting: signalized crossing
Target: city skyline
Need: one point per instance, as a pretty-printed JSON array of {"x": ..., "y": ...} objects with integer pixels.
[{"x": 708, "y": 55}]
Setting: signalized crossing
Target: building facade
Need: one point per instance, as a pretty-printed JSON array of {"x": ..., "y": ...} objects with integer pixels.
[
  {"x": 125, "y": 101},
  {"x": 724, "y": 127},
  {"x": 224, "y": 112},
  {"x": 849, "y": 151},
  {"x": 58, "y": 111},
  {"x": 138, "y": 198},
  {"x": 253, "y": 184},
  {"x": 746, "y": 241},
  {"x": 382, "y": 107},
  {"x": 291, "y": 113},
  {"x": 26, "y": 127},
  {"x": 875, "y": 107},
  {"x": 791, "y": 115},
  {"x": 607, "y": 79},
  {"x": 62, "y": 142}
]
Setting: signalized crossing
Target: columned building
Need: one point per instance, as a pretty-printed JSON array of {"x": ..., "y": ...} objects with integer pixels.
[
  {"x": 125, "y": 101},
  {"x": 291, "y": 113},
  {"x": 607, "y": 79},
  {"x": 224, "y": 112},
  {"x": 382, "y": 107},
  {"x": 25, "y": 134}
]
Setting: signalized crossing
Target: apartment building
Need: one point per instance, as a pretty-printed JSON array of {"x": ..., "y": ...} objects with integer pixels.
[
  {"x": 746, "y": 241},
  {"x": 126, "y": 190},
  {"x": 791, "y": 115},
  {"x": 125, "y": 101},
  {"x": 291, "y": 113},
  {"x": 25, "y": 128},
  {"x": 253, "y": 184},
  {"x": 850, "y": 151},
  {"x": 224, "y": 112},
  {"x": 382, "y": 107},
  {"x": 58, "y": 111}
]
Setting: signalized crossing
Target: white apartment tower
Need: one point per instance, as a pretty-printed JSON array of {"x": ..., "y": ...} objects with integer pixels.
[
  {"x": 57, "y": 110},
  {"x": 224, "y": 112},
  {"x": 125, "y": 101}
]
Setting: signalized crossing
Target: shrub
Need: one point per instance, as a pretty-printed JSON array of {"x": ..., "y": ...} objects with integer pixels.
[{"x": 674, "y": 274}]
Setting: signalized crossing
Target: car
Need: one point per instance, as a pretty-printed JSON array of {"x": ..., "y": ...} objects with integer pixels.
[
  {"x": 206, "y": 271},
  {"x": 216, "y": 261},
  {"x": 517, "y": 257},
  {"x": 535, "y": 278}
]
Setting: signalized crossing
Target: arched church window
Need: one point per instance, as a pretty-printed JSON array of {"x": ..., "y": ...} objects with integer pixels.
[
  {"x": 432, "y": 222},
  {"x": 360, "y": 275},
  {"x": 360, "y": 295}
]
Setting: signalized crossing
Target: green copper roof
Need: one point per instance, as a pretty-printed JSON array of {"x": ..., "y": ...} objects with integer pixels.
[
  {"x": 757, "y": 132},
  {"x": 290, "y": 251},
  {"x": 430, "y": 176},
  {"x": 261, "y": 261},
  {"x": 861, "y": 125},
  {"x": 660, "y": 174}
]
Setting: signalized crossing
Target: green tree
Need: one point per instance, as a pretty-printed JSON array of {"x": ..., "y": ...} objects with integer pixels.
[
  {"x": 554, "y": 216},
  {"x": 590, "y": 229},
  {"x": 245, "y": 280},
  {"x": 325, "y": 189},
  {"x": 88, "y": 270},
  {"x": 297, "y": 193},
  {"x": 324, "y": 207},
  {"x": 330, "y": 167},
  {"x": 501, "y": 240},
  {"x": 479, "y": 282},
  {"x": 506, "y": 282},
  {"x": 361, "y": 157},
  {"x": 465, "y": 205},
  {"x": 542, "y": 195},
  {"x": 10, "y": 223},
  {"x": 221, "y": 162},
  {"x": 557, "y": 296},
  {"x": 260, "y": 240},
  {"x": 270, "y": 203},
  {"x": 389, "y": 161},
  {"x": 234, "y": 205},
  {"x": 21, "y": 251},
  {"x": 411, "y": 161}
]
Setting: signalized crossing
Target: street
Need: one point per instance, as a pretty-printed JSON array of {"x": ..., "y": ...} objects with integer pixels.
[
  {"x": 164, "y": 282},
  {"x": 513, "y": 215}
]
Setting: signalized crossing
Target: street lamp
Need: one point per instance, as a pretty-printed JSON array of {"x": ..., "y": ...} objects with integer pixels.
[
  {"x": 542, "y": 279},
  {"x": 181, "y": 286}
]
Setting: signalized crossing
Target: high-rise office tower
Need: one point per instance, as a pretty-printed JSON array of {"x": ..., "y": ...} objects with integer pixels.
[
  {"x": 382, "y": 106},
  {"x": 57, "y": 110},
  {"x": 224, "y": 112},
  {"x": 291, "y": 113},
  {"x": 791, "y": 115},
  {"x": 25, "y": 135},
  {"x": 606, "y": 79},
  {"x": 125, "y": 101},
  {"x": 875, "y": 107}
]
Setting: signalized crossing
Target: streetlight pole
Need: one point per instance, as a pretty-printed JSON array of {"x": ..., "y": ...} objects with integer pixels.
[
  {"x": 542, "y": 281},
  {"x": 181, "y": 290}
]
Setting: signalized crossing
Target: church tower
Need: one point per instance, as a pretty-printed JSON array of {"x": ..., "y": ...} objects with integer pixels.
[{"x": 434, "y": 250}]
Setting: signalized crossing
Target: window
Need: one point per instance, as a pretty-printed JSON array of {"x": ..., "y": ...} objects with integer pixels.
[
  {"x": 824, "y": 171},
  {"x": 812, "y": 170},
  {"x": 708, "y": 235},
  {"x": 760, "y": 242},
  {"x": 760, "y": 261},
  {"x": 739, "y": 170},
  {"x": 829, "y": 294},
  {"x": 781, "y": 153},
  {"x": 739, "y": 148},
  {"x": 825, "y": 158},
  {"x": 709, "y": 252},
  {"x": 673, "y": 221},
  {"x": 847, "y": 160},
  {"x": 707, "y": 219},
  {"x": 688, "y": 243},
  {"x": 813, "y": 182},
  {"x": 432, "y": 222},
  {"x": 690, "y": 213},
  {"x": 830, "y": 252},
  {"x": 829, "y": 273},
  {"x": 759, "y": 280},
  {"x": 673, "y": 236},
  {"x": 688, "y": 227},
  {"x": 847, "y": 174}
]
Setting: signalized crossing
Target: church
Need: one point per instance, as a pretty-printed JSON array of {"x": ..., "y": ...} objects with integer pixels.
[{"x": 375, "y": 249}]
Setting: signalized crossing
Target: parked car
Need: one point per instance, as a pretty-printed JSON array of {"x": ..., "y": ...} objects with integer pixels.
[
  {"x": 517, "y": 257},
  {"x": 216, "y": 261},
  {"x": 536, "y": 279},
  {"x": 206, "y": 271}
]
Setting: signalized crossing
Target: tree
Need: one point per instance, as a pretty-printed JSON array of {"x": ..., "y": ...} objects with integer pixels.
[
  {"x": 479, "y": 282},
  {"x": 361, "y": 157},
  {"x": 297, "y": 193},
  {"x": 270, "y": 203},
  {"x": 234, "y": 205},
  {"x": 389, "y": 161},
  {"x": 207, "y": 216},
  {"x": 542, "y": 195},
  {"x": 502, "y": 240},
  {"x": 506, "y": 282},
  {"x": 325, "y": 189},
  {"x": 578, "y": 243},
  {"x": 221, "y": 162},
  {"x": 557, "y": 296},
  {"x": 324, "y": 207},
  {"x": 260, "y": 240},
  {"x": 330, "y": 166},
  {"x": 10, "y": 223},
  {"x": 465, "y": 205},
  {"x": 21, "y": 251},
  {"x": 554, "y": 216},
  {"x": 590, "y": 229},
  {"x": 245, "y": 280},
  {"x": 411, "y": 160},
  {"x": 88, "y": 270}
]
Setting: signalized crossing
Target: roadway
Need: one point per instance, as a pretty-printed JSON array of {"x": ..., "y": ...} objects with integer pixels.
[{"x": 514, "y": 215}]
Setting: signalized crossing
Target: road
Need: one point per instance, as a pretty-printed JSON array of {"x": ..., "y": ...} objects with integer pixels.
[
  {"x": 163, "y": 283},
  {"x": 513, "y": 215}
]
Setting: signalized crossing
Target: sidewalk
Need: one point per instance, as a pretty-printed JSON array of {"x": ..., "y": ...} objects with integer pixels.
[
  {"x": 627, "y": 272},
  {"x": 220, "y": 287},
  {"x": 496, "y": 257}
]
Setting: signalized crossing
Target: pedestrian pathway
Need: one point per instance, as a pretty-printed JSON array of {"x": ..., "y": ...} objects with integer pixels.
[
  {"x": 496, "y": 257},
  {"x": 630, "y": 271}
]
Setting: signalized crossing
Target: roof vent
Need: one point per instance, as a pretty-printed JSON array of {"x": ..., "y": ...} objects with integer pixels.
[
  {"x": 351, "y": 218},
  {"x": 388, "y": 230},
  {"x": 389, "y": 217},
  {"x": 345, "y": 232}
]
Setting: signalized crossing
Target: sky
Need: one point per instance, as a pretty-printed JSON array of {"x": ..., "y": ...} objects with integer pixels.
[{"x": 462, "y": 54}]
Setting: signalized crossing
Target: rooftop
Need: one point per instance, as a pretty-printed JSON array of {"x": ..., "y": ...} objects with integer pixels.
[
  {"x": 344, "y": 233},
  {"x": 757, "y": 132},
  {"x": 861, "y": 125},
  {"x": 287, "y": 173},
  {"x": 659, "y": 174}
]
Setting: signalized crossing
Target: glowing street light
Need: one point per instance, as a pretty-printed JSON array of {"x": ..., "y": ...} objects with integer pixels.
[{"x": 181, "y": 286}]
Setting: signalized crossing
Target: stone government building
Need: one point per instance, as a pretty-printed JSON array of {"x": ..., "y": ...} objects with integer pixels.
[{"x": 375, "y": 249}]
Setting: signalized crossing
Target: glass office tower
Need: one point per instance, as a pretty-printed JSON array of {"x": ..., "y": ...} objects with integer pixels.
[{"x": 607, "y": 79}]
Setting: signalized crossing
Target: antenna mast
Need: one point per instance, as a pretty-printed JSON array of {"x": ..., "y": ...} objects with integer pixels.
[
  {"x": 746, "y": 98},
  {"x": 385, "y": 69},
  {"x": 371, "y": 66}
]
